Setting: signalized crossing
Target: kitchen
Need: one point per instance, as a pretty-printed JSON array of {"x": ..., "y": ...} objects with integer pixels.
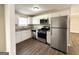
[
  {"x": 38, "y": 28},
  {"x": 45, "y": 29}
]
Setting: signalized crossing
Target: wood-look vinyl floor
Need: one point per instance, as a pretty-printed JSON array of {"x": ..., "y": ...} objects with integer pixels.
[
  {"x": 35, "y": 47},
  {"x": 74, "y": 42}
]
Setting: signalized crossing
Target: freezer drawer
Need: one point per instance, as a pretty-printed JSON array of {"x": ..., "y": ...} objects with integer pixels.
[{"x": 59, "y": 39}]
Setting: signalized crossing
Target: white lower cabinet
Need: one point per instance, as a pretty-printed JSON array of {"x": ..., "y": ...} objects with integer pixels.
[
  {"x": 22, "y": 35},
  {"x": 48, "y": 37},
  {"x": 26, "y": 34},
  {"x": 18, "y": 36}
]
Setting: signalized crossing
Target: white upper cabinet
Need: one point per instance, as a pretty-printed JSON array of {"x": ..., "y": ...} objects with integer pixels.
[
  {"x": 35, "y": 20},
  {"x": 29, "y": 20}
]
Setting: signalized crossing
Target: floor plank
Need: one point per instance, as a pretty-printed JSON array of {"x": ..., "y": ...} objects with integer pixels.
[
  {"x": 35, "y": 47},
  {"x": 74, "y": 42}
]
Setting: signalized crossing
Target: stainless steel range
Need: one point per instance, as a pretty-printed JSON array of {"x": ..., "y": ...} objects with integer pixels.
[{"x": 42, "y": 34}]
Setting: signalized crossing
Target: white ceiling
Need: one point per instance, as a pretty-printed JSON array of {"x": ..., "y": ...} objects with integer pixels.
[{"x": 27, "y": 8}]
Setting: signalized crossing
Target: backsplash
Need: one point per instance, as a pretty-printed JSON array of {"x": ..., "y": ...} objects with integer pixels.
[{"x": 38, "y": 26}]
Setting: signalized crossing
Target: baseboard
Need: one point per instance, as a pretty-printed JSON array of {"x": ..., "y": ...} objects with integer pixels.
[
  {"x": 73, "y": 33},
  {"x": 59, "y": 50},
  {"x": 4, "y": 53}
]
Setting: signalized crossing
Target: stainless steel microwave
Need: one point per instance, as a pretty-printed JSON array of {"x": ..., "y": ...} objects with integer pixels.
[{"x": 43, "y": 21}]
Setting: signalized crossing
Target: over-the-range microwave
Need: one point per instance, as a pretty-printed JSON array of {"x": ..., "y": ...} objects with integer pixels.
[{"x": 43, "y": 21}]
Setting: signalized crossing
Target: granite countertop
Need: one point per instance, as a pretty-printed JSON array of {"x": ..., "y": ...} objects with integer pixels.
[{"x": 21, "y": 29}]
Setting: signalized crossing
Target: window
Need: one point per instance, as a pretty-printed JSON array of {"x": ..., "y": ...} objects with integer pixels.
[{"x": 23, "y": 21}]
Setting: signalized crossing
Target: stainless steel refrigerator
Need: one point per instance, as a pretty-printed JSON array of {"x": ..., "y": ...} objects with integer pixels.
[{"x": 59, "y": 30}]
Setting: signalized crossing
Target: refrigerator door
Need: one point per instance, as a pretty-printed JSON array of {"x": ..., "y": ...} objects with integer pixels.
[
  {"x": 59, "y": 39},
  {"x": 59, "y": 22}
]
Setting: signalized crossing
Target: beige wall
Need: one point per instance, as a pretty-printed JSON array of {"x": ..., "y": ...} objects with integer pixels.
[
  {"x": 2, "y": 29},
  {"x": 74, "y": 19}
]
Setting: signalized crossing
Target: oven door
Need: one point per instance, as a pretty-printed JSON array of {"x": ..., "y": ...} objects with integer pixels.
[{"x": 42, "y": 34}]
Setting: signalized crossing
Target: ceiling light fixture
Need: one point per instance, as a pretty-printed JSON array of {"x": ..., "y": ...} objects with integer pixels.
[{"x": 35, "y": 8}]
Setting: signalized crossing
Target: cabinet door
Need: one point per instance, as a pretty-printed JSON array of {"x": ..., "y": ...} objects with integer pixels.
[
  {"x": 28, "y": 34},
  {"x": 24, "y": 36},
  {"x": 48, "y": 37},
  {"x": 36, "y": 20},
  {"x": 29, "y": 20},
  {"x": 18, "y": 37}
]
